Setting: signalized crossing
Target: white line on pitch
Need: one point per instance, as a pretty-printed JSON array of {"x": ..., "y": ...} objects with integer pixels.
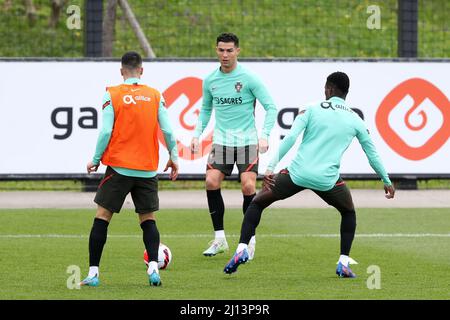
[{"x": 298, "y": 235}]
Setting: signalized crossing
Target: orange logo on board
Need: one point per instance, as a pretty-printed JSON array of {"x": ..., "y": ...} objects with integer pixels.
[
  {"x": 414, "y": 119},
  {"x": 192, "y": 88}
]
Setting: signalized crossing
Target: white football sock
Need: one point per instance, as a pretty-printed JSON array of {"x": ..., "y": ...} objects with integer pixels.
[
  {"x": 220, "y": 234},
  {"x": 152, "y": 266},
  {"x": 344, "y": 260},
  {"x": 241, "y": 246},
  {"x": 93, "y": 271},
  {"x": 253, "y": 240}
]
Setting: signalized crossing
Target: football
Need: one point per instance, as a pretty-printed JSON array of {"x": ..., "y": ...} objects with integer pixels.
[{"x": 164, "y": 256}]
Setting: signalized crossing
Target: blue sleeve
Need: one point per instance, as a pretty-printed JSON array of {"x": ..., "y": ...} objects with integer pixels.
[
  {"x": 205, "y": 111},
  {"x": 106, "y": 130},
  {"x": 169, "y": 137},
  {"x": 289, "y": 140}
]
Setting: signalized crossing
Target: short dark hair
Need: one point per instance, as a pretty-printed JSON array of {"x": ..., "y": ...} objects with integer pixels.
[
  {"x": 340, "y": 81},
  {"x": 228, "y": 37},
  {"x": 131, "y": 60}
]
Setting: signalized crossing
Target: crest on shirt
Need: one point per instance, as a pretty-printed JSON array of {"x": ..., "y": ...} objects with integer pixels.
[{"x": 238, "y": 86}]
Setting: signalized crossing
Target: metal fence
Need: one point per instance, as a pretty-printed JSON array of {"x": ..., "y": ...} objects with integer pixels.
[
  {"x": 267, "y": 28},
  {"x": 434, "y": 28},
  {"x": 282, "y": 28}
]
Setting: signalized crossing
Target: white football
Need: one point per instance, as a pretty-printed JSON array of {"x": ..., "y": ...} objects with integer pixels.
[{"x": 164, "y": 256}]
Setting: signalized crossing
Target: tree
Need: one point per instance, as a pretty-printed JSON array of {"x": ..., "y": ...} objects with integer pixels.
[
  {"x": 7, "y": 5},
  {"x": 145, "y": 45},
  {"x": 108, "y": 28},
  {"x": 30, "y": 11},
  {"x": 57, "y": 6}
]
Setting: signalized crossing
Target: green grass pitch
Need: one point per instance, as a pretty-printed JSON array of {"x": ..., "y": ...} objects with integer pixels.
[{"x": 295, "y": 255}]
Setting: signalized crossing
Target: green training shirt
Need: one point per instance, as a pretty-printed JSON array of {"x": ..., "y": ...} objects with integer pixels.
[
  {"x": 329, "y": 128},
  {"x": 233, "y": 97}
]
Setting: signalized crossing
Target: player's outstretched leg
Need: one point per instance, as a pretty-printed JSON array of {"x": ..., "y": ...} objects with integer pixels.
[
  {"x": 251, "y": 221},
  {"x": 252, "y": 244},
  {"x": 252, "y": 218},
  {"x": 343, "y": 270},
  {"x": 240, "y": 257}
]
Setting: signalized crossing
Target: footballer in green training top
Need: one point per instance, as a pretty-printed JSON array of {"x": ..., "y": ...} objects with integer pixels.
[
  {"x": 328, "y": 129},
  {"x": 232, "y": 90}
]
